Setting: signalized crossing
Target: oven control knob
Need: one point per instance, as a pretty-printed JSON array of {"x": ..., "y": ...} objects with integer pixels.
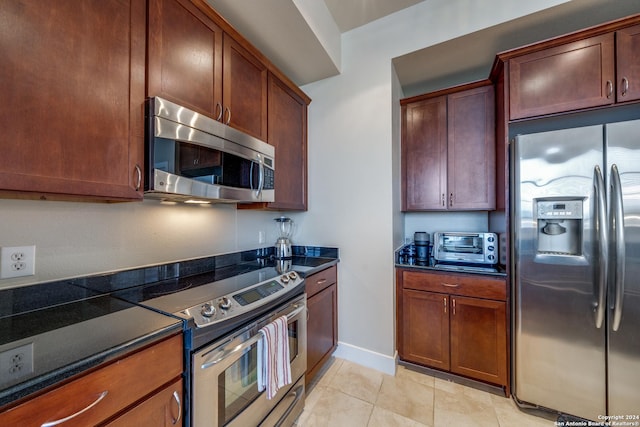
[
  {"x": 293, "y": 275},
  {"x": 207, "y": 310},
  {"x": 284, "y": 279},
  {"x": 224, "y": 303}
]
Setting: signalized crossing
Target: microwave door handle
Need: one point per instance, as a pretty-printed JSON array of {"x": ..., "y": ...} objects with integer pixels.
[
  {"x": 603, "y": 238},
  {"x": 617, "y": 223},
  {"x": 260, "y": 176}
]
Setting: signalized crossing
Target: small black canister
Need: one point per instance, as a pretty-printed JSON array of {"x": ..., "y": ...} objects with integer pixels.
[{"x": 421, "y": 240}]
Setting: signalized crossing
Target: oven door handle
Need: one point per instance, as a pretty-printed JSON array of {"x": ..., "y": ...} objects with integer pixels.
[{"x": 223, "y": 354}]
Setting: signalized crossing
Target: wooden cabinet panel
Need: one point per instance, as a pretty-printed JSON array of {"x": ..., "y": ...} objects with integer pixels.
[
  {"x": 317, "y": 282},
  {"x": 424, "y": 154},
  {"x": 72, "y": 81},
  {"x": 244, "y": 89},
  {"x": 448, "y": 150},
  {"x": 184, "y": 56},
  {"x": 471, "y": 155},
  {"x": 628, "y": 64},
  {"x": 478, "y": 339},
  {"x": 425, "y": 328},
  {"x": 322, "y": 329},
  {"x": 287, "y": 129},
  {"x": 563, "y": 78},
  {"x": 456, "y": 284},
  {"x": 112, "y": 388},
  {"x": 163, "y": 409},
  {"x": 440, "y": 329}
]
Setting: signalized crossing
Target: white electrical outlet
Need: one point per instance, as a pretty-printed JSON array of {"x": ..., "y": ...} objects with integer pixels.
[
  {"x": 261, "y": 238},
  {"x": 17, "y": 261},
  {"x": 16, "y": 363}
]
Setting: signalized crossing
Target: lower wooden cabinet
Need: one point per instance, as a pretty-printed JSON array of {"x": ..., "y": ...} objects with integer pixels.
[
  {"x": 322, "y": 325},
  {"x": 149, "y": 376},
  {"x": 447, "y": 322}
]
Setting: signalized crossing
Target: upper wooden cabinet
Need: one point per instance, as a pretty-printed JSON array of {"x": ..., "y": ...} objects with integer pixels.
[
  {"x": 184, "y": 56},
  {"x": 628, "y": 64},
  {"x": 288, "y": 133},
  {"x": 193, "y": 62},
  {"x": 72, "y": 80},
  {"x": 448, "y": 150},
  {"x": 589, "y": 72},
  {"x": 568, "y": 77}
]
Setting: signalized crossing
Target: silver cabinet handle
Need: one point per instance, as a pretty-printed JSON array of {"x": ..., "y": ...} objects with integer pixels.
[
  {"x": 625, "y": 86},
  {"x": 450, "y": 199},
  {"x": 321, "y": 281},
  {"x": 219, "y": 106},
  {"x": 617, "y": 231},
  {"x": 603, "y": 237},
  {"x": 442, "y": 199},
  {"x": 444, "y": 300},
  {"x": 228, "y": 111},
  {"x": 139, "y": 177},
  {"x": 453, "y": 301},
  {"x": 609, "y": 88},
  {"x": 450, "y": 285},
  {"x": 176, "y": 397},
  {"x": 63, "y": 420}
]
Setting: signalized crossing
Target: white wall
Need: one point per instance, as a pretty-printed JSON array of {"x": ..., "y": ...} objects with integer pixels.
[
  {"x": 76, "y": 239},
  {"x": 353, "y": 137}
]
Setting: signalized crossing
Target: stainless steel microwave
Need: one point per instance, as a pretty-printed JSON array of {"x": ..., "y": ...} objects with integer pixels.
[
  {"x": 461, "y": 247},
  {"x": 190, "y": 157}
]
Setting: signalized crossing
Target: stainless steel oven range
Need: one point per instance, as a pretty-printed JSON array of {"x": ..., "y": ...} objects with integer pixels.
[{"x": 223, "y": 319}]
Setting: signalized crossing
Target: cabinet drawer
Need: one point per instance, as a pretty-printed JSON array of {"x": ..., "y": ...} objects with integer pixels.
[
  {"x": 456, "y": 284},
  {"x": 105, "y": 391},
  {"x": 317, "y": 282}
]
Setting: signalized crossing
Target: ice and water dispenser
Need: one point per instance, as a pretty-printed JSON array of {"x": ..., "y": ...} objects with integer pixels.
[{"x": 559, "y": 226}]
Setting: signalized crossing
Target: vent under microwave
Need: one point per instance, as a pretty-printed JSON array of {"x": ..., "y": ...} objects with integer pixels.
[{"x": 192, "y": 157}]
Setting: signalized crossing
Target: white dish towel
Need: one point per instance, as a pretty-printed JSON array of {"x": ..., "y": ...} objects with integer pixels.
[{"x": 274, "y": 367}]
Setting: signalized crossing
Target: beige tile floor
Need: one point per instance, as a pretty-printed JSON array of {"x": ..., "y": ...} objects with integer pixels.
[{"x": 351, "y": 395}]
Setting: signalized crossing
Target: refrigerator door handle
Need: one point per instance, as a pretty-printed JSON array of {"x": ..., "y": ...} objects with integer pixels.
[
  {"x": 603, "y": 239},
  {"x": 617, "y": 226}
]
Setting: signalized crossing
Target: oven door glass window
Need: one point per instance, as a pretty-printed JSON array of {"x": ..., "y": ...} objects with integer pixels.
[{"x": 238, "y": 384}]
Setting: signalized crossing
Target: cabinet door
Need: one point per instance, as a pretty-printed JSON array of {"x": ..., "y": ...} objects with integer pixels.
[
  {"x": 478, "y": 339},
  {"x": 471, "y": 160},
  {"x": 628, "y": 64},
  {"x": 72, "y": 82},
  {"x": 425, "y": 329},
  {"x": 244, "y": 90},
  {"x": 163, "y": 409},
  {"x": 424, "y": 154},
  {"x": 563, "y": 78},
  {"x": 185, "y": 56},
  {"x": 322, "y": 329},
  {"x": 288, "y": 134}
]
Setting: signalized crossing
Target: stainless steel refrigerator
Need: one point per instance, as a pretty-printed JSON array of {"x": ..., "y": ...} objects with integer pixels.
[{"x": 576, "y": 265}]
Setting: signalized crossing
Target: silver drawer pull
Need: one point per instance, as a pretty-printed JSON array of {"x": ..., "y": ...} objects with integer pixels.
[
  {"x": 64, "y": 420},
  {"x": 450, "y": 285},
  {"x": 321, "y": 281},
  {"x": 176, "y": 397}
]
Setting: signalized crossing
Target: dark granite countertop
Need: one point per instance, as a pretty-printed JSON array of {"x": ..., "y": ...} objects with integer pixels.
[
  {"x": 499, "y": 273},
  {"x": 64, "y": 330},
  {"x": 77, "y": 324}
]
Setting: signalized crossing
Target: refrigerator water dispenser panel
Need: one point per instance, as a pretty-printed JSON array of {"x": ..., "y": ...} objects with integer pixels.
[{"x": 559, "y": 223}]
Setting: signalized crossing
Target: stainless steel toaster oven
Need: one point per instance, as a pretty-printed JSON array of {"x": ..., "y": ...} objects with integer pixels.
[{"x": 465, "y": 247}]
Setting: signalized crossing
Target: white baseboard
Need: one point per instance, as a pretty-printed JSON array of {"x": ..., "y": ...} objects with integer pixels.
[{"x": 370, "y": 359}]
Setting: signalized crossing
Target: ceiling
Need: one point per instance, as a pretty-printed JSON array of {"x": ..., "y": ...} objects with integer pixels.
[{"x": 302, "y": 37}]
